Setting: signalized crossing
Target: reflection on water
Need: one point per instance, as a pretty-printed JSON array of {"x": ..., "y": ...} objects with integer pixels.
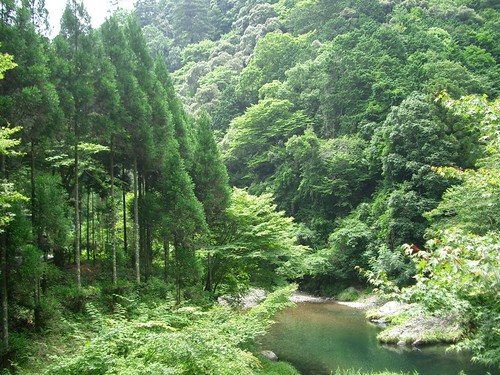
[{"x": 318, "y": 338}]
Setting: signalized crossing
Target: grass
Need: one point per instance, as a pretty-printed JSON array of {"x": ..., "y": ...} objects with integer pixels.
[{"x": 276, "y": 368}]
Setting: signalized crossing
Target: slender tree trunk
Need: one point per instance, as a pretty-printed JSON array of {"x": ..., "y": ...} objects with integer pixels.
[
  {"x": 37, "y": 233},
  {"x": 124, "y": 199},
  {"x": 146, "y": 249},
  {"x": 77, "y": 217},
  {"x": 166, "y": 259},
  {"x": 34, "y": 218},
  {"x": 142, "y": 231},
  {"x": 93, "y": 227},
  {"x": 208, "y": 284},
  {"x": 113, "y": 236},
  {"x": 136, "y": 226},
  {"x": 88, "y": 224},
  {"x": 177, "y": 272},
  {"x": 5, "y": 302},
  {"x": 3, "y": 278}
]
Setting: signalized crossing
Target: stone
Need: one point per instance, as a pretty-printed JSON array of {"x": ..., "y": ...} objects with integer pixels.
[
  {"x": 269, "y": 355},
  {"x": 379, "y": 321},
  {"x": 418, "y": 342},
  {"x": 390, "y": 308},
  {"x": 401, "y": 343}
]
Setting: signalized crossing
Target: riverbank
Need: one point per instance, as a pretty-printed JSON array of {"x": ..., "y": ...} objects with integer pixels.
[{"x": 410, "y": 324}]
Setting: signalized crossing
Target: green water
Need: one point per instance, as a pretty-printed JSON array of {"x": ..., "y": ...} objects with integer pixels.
[{"x": 318, "y": 338}]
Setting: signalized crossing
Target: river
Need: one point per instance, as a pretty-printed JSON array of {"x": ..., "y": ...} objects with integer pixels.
[{"x": 318, "y": 338}]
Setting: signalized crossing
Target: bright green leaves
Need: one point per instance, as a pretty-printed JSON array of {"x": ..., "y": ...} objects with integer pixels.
[
  {"x": 260, "y": 244},
  {"x": 6, "y": 142},
  {"x": 273, "y": 56},
  {"x": 252, "y": 138},
  {"x": 6, "y": 63},
  {"x": 169, "y": 340},
  {"x": 458, "y": 269},
  {"x": 473, "y": 205},
  {"x": 459, "y": 272}
]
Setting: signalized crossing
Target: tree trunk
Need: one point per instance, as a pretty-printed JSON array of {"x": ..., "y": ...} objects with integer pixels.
[
  {"x": 77, "y": 218},
  {"x": 208, "y": 284},
  {"x": 136, "y": 226},
  {"x": 3, "y": 278},
  {"x": 37, "y": 233},
  {"x": 5, "y": 302},
  {"x": 166, "y": 259},
  {"x": 88, "y": 224},
  {"x": 177, "y": 273},
  {"x": 94, "y": 243},
  {"x": 124, "y": 199},
  {"x": 113, "y": 236}
]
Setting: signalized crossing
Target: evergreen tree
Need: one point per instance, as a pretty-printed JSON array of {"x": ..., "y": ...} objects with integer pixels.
[
  {"x": 211, "y": 183},
  {"x": 7, "y": 197},
  {"x": 190, "y": 21},
  {"x": 74, "y": 45},
  {"x": 135, "y": 117}
]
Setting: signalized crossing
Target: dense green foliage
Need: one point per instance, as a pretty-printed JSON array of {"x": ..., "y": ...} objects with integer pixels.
[
  {"x": 337, "y": 109},
  {"x": 199, "y": 148},
  {"x": 108, "y": 184},
  {"x": 458, "y": 272},
  {"x": 169, "y": 340}
]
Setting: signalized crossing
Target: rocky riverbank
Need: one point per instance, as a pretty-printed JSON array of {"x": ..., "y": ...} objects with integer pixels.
[{"x": 409, "y": 324}]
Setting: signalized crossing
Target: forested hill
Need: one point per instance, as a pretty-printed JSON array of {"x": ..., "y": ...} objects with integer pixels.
[
  {"x": 190, "y": 149},
  {"x": 336, "y": 108}
]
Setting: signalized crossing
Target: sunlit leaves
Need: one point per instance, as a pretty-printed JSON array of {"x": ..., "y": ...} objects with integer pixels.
[
  {"x": 6, "y": 63},
  {"x": 185, "y": 340}
]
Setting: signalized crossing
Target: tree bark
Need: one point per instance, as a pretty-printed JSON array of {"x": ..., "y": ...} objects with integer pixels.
[
  {"x": 208, "y": 284},
  {"x": 5, "y": 302},
  {"x": 124, "y": 199},
  {"x": 77, "y": 218},
  {"x": 136, "y": 226},
  {"x": 3, "y": 278},
  {"x": 177, "y": 273},
  {"x": 88, "y": 224},
  {"x": 166, "y": 259},
  {"x": 113, "y": 236}
]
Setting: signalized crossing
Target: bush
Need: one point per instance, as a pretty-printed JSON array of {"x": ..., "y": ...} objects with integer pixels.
[
  {"x": 74, "y": 299},
  {"x": 349, "y": 294},
  {"x": 207, "y": 342}
]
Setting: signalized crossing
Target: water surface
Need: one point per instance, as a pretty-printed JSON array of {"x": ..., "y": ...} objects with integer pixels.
[{"x": 318, "y": 338}]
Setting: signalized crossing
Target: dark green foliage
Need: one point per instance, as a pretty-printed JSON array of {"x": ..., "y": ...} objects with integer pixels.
[
  {"x": 190, "y": 21},
  {"x": 209, "y": 173}
]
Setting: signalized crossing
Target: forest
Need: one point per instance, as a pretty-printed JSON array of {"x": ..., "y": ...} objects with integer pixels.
[{"x": 187, "y": 150}]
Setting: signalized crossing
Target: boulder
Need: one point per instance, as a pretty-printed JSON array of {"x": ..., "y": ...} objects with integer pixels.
[
  {"x": 418, "y": 342},
  {"x": 269, "y": 355},
  {"x": 391, "y": 308}
]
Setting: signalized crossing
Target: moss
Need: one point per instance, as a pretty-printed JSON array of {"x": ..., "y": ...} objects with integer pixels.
[{"x": 427, "y": 329}]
